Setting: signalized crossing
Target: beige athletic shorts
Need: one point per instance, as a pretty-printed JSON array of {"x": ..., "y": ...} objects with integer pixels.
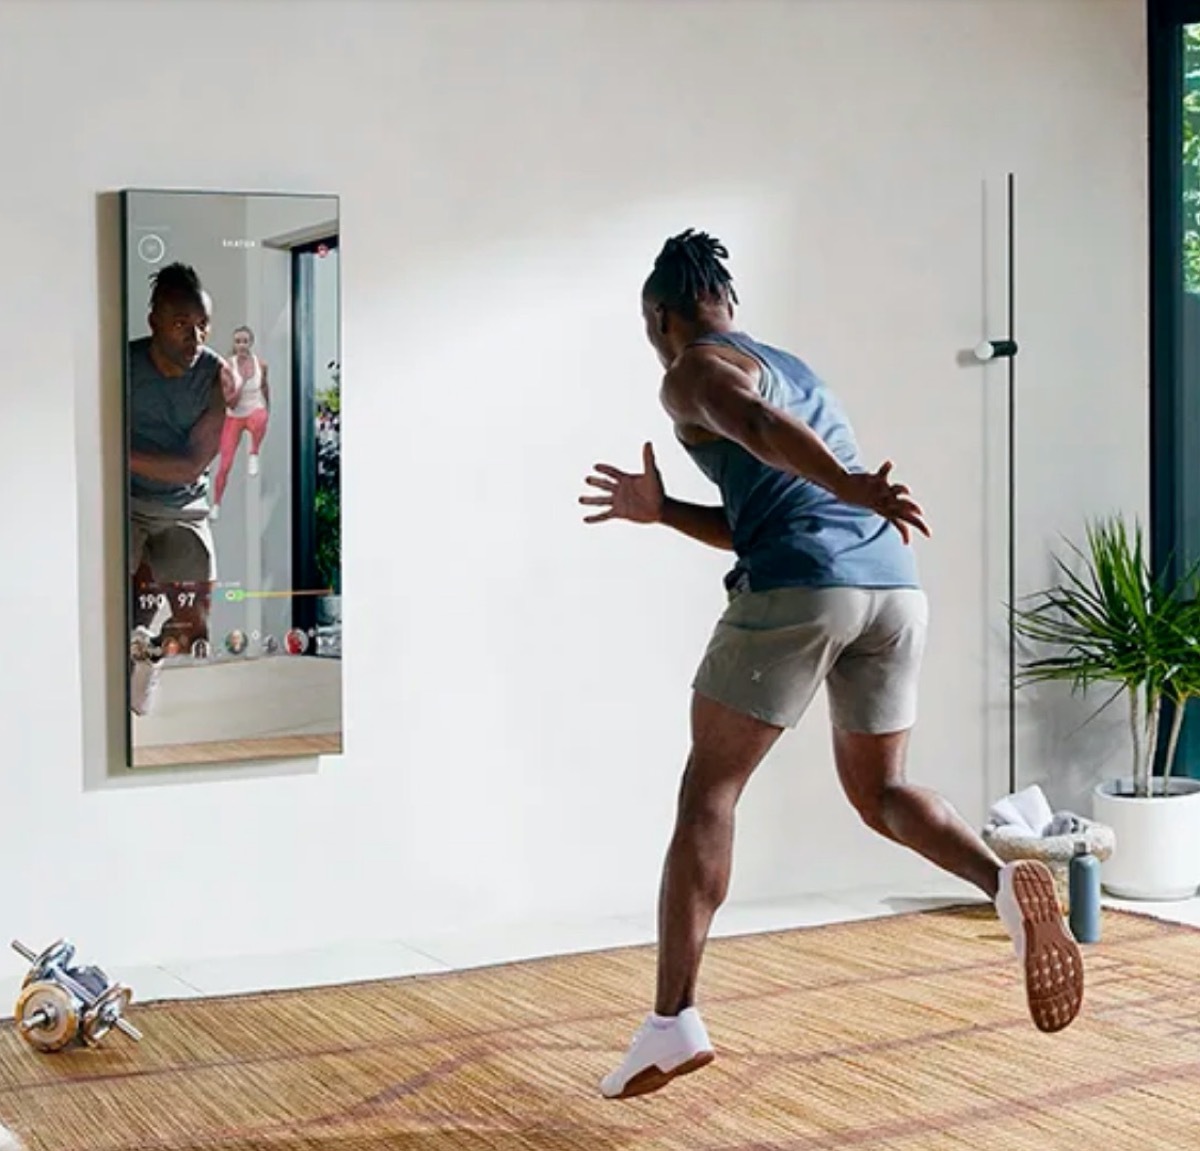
[
  {"x": 771, "y": 651},
  {"x": 176, "y": 543}
]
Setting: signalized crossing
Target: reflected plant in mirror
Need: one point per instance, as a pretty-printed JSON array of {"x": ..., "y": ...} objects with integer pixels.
[{"x": 232, "y": 378}]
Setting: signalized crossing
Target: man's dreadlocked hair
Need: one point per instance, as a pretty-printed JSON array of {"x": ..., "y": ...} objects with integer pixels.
[
  {"x": 689, "y": 271},
  {"x": 175, "y": 282}
]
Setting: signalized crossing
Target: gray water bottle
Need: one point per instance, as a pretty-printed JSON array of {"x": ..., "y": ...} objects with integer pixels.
[{"x": 1083, "y": 894}]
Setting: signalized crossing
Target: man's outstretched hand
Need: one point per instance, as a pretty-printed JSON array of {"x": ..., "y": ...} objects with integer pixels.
[
  {"x": 638, "y": 497},
  {"x": 875, "y": 491}
]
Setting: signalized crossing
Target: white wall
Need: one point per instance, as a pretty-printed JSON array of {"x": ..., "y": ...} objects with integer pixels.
[{"x": 517, "y": 684}]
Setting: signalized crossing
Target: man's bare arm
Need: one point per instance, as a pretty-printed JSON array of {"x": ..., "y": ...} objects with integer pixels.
[
  {"x": 205, "y": 440},
  {"x": 705, "y": 391},
  {"x": 702, "y": 390},
  {"x": 640, "y": 498},
  {"x": 708, "y": 525},
  {"x": 204, "y": 443}
]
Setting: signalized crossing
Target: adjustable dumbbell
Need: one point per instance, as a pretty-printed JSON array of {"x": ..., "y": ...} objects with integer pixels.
[{"x": 60, "y": 1004}]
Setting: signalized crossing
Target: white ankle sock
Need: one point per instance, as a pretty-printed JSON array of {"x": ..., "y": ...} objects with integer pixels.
[{"x": 1009, "y": 911}]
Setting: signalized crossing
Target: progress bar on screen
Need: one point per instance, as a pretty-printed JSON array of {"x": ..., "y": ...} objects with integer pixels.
[{"x": 237, "y": 594}]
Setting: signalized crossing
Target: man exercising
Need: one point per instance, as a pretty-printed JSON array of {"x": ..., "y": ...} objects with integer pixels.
[
  {"x": 824, "y": 591},
  {"x": 178, "y": 390}
]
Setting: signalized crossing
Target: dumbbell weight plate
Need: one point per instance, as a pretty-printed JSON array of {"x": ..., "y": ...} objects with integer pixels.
[
  {"x": 47, "y": 1016},
  {"x": 102, "y": 1016},
  {"x": 58, "y": 954}
]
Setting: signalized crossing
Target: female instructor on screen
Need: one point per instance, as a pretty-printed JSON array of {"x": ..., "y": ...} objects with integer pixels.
[{"x": 248, "y": 409}]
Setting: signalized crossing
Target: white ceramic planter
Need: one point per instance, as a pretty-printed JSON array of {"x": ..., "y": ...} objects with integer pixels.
[{"x": 1157, "y": 853}]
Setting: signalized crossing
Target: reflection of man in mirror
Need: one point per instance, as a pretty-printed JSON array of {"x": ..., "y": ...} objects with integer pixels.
[
  {"x": 247, "y": 413},
  {"x": 178, "y": 389}
]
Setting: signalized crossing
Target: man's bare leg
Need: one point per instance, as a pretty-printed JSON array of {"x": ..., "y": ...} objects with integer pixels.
[
  {"x": 871, "y": 768},
  {"x": 726, "y": 748}
]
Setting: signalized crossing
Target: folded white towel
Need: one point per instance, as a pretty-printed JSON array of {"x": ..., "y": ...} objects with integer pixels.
[
  {"x": 1027, "y": 809},
  {"x": 1027, "y": 812}
]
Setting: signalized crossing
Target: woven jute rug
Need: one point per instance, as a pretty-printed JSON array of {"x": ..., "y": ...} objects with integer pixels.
[{"x": 907, "y": 1033}]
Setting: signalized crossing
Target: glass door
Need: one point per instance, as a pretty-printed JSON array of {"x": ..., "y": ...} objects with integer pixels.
[
  {"x": 317, "y": 438},
  {"x": 1173, "y": 28}
]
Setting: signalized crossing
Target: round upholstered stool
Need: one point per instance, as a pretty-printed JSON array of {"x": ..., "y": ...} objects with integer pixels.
[{"x": 1055, "y": 851}]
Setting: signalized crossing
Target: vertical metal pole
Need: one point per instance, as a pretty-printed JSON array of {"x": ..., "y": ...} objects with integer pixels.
[{"x": 1012, "y": 492}]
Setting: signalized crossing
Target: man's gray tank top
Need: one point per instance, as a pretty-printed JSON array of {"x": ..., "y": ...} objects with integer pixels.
[
  {"x": 789, "y": 531},
  {"x": 162, "y": 412}
]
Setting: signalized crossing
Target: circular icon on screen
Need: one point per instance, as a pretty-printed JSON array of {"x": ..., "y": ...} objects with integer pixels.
[
  {"x": 172, "y": 646},
  {"x": 271, "y": 645},
  {"x": 151, "y": 248},
  {"x": 200, "y": 649},
  {"x": 235, "y": 642},
  {"x": 297, "y": 642}
]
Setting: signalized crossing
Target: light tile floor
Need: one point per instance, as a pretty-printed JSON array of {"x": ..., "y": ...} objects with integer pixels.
[{"x": 456, "y": 951}]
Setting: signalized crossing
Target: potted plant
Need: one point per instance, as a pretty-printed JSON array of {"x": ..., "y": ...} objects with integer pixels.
[{"x": 1116, "y": 623}]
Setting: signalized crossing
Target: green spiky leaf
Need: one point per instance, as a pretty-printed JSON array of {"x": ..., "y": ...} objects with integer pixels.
[{"x": 1110, "y": 619}]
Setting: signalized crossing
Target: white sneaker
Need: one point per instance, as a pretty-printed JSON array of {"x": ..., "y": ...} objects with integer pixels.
[
  {"x": 9, "y": 1142},
  {"x": 144, "y": 676},
  {"x": 1028, "y": 906},
  {"x": 252, "y": 469},
  {"x": 661, "y": 1051}
]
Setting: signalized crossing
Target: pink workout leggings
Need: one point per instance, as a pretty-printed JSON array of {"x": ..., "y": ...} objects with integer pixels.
[{"x": 231, "y": 436}]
